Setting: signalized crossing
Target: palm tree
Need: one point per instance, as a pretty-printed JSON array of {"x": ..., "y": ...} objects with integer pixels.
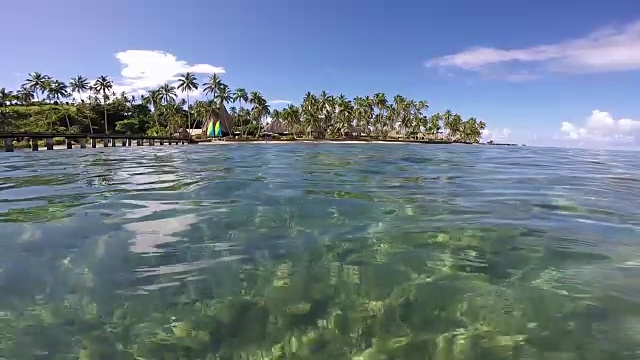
[
  {"x": 212, "y": 85},
  {"x": 200, "y": 111},
  {"x": 46, "y": 89},
  {"x": 5, "y": 98},
  {"x": 224, "y": 96},
  {"x": 153, "y": 98},
  {"x": 57, "y": 90},
  {"x": 24, "y": 95},
  {"x": 103, "y": 86},
  {"x": 241, "y": 95},
  {"x": 291, "y": 118},
  {"x": 187, "y": 83},
  {"x": 167, "y": 95},
  {"x": 36, "y": 83},
  {"x": 259, "y": 109},
  {"x": 379, "y": 123},
  {"x": 80, "y": 85}
]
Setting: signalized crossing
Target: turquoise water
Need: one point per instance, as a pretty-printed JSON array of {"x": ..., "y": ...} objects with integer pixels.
[{"x": 320, "y": 251}]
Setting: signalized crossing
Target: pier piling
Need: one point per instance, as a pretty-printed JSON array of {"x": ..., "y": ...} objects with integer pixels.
[
  {"x": 82, "y": 139},
  {"x": 8, "y": 144}
]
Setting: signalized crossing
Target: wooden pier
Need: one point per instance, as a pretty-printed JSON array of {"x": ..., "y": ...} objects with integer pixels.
[{"x": 82, "y": 139}]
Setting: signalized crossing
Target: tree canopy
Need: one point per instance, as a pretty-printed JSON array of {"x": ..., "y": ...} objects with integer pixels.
[{"x": 46, "y": 104}]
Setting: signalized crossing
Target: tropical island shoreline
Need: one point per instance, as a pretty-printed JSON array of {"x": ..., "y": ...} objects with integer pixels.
[
  {"x": 46, "y": 105},
  {"x": 60, "y": 145},
  {"x": 227, "y": 141},
  {"x": 348, "y": 142}
]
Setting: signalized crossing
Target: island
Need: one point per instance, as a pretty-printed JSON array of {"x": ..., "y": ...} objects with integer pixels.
[{"x": 47, "y": 105}]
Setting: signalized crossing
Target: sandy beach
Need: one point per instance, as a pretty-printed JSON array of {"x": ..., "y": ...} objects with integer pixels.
[{"x": 232, "y": 142}]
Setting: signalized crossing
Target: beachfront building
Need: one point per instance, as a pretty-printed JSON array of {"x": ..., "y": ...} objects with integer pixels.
[
  {"x": 277, "y": 127},
  {"x": 219, "y": 124},
  {"x": 354, "y": 132}
]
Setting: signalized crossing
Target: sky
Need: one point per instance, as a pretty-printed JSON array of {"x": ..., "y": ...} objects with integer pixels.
[{"x": 550, "y": 73}]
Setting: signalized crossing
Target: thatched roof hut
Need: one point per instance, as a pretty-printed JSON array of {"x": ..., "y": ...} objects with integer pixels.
[
  {"x": 395, "y": 134},
  {"x": 226, "y": 123},
  {"x": 277, "y": 127},
  {"x": 354, "y": 131}
]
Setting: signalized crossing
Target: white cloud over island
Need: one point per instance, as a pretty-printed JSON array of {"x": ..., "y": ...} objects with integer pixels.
[
  {"x": 280, "y": 102},
  {"x": 142, "y": 70},
  {"x": 614, "y": 48},
  {"x": 602, "y": 128}
]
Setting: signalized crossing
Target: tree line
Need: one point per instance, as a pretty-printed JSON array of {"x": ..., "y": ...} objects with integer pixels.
[{"x": 46, "y": 104}]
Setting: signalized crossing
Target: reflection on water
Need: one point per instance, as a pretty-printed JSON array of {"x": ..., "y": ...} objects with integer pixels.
[{"x": 319, "y": 252}]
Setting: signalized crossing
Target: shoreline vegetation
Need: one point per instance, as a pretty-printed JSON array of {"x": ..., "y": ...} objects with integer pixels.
[
  {"x": 60, "y": 144},
  {"x": 44, "y": 104}
]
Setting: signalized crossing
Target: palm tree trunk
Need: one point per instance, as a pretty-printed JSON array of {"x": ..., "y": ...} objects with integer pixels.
[
  {"x": 188, "y": 113},
  {"x": 104, "y": 105},
  {"x": 259, "y": 126},
  {"x": 66, "y": 117},
  {"x": 106, "y": 129},
  {"x": 242, "y": 127},
  {"x": 155, "y": 114},
  {"x": 89, "y": 117}
]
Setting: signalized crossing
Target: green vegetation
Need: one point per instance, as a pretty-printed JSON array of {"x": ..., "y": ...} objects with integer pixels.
[{"x": 44, "y": 104}]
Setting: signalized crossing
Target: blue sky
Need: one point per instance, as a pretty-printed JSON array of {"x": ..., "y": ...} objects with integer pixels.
[{"x": 540, "y": 72}]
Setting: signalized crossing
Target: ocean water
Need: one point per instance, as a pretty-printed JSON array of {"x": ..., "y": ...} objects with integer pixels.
[{"x": 320, "y": 251}]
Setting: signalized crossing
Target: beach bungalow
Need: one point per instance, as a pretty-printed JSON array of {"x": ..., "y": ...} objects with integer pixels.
[
  {"x": 218, "y": 125},
  {"x": 276, "y": 127},
  {"x": 353, "y": 132}
]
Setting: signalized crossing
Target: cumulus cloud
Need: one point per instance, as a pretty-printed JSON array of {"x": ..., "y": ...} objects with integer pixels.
[
  {"x": 501, "y": 135},
  {"x": 602, "y": 127},
  {"x": 146, "y": 69},
  {"x": 605, "y": 50}
]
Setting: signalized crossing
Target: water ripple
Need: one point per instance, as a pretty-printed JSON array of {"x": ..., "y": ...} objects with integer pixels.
[{"x": 317, "y": 231}]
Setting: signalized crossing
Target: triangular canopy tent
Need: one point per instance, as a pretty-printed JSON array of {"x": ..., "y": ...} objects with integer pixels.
[
  {"x": 276, "y": 127},
  {"x": 218, "y": 125}
]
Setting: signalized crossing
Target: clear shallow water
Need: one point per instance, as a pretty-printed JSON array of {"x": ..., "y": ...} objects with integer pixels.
[{"x": 320, "y": 251}]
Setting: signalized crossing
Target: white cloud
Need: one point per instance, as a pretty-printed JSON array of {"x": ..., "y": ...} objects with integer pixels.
[
  {"x": 602, "y": 127},
  {"x": 605, "y": 50},
  {"x": 146, "y": 69},
  {"x": 280, "y": 102},
  {"x": 501, "y": 135}
]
